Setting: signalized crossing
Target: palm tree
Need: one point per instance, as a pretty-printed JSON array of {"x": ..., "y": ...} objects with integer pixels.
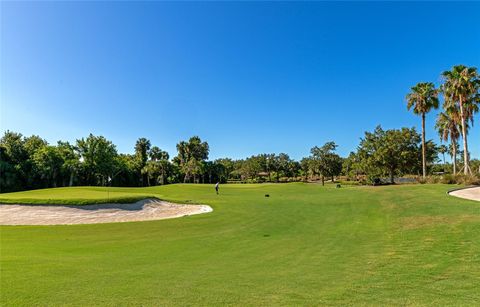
[
  {"x": 142, "y": 147},
  {"x": 448, "y": 128},
  {"x": 423, "y": 98},
  {"x": 461, "y": 88},
  {"x": 443, "y": 149}
]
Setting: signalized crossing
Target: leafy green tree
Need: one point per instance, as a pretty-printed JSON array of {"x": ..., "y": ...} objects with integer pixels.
[
  {"x": 71, "y": 160},
  {"x": 227, "y": 167},
  {"x": 33, "y": 143},
  {"x": 15, "y": 153},
  {"x": 282, "y": 162},
  {"x": 350, "y": 166},
  {"x": 325, "y": 161},
  {"x": 9, "y": 180},
  {"x": 461, "y": 89},
  {"x": 423, "y": 98},
  {"x": 98, "y": 158},
  {"x": 126, "y": 171},
  {"x": 293, "y": 169},
  {"x": 390, "y": 152},
  {"x": 305, "y": 166},
  {"x": 48, "y": 162}
]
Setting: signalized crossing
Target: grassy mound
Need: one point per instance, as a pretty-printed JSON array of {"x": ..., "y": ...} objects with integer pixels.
[{"x": 303, "y": 245}]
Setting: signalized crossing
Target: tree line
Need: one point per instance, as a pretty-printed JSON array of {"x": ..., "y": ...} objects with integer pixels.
[
  {"x": 30, "y": 162},
  {"x": 460, "y": 90}
]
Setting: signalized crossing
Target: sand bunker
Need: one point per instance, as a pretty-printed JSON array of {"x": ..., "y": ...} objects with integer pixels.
[
  {"x": 144, "y": 210},
  {"x": 472, "y": 193}
]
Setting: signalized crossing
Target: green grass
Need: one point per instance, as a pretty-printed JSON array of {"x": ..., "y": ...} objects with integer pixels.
[{"x": 305, "y": 245}]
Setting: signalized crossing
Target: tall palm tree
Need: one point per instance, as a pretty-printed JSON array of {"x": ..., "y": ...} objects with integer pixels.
[
  {"x": 423, "y": 98},
  {"x": 461, "y": 88},
  {"x": 448, "y": 128}
]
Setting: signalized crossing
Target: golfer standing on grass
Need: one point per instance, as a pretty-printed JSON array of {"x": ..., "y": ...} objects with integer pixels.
[{"x": 216, "y": 187}]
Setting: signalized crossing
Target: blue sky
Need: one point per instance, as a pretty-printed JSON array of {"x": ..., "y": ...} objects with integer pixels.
[{"x": 247, "y": 77}]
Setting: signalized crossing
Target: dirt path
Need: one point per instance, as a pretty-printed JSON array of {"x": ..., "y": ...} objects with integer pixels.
[
  {"x": 468, "y": 193},
  {"x": 144, "y": 210}
]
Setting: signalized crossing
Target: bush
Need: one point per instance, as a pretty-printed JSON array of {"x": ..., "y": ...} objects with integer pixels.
[
  {"x": 448, "y": 179},
  {"x": 468, "y": 180}
]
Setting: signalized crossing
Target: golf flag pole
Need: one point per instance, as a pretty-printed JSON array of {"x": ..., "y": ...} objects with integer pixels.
[{"x": 109, "y": 180}]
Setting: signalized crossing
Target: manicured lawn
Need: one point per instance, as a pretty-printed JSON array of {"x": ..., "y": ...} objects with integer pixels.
[{"x": 304, "y": 245}]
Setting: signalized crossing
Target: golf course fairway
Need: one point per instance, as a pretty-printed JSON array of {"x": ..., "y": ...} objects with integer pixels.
[{"x": 304, "y": 245}]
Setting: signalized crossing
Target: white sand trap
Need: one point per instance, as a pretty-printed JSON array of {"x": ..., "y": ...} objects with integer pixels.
[
  {"x": 144, "y": 210},
  {"x": 472, "y": 193}
]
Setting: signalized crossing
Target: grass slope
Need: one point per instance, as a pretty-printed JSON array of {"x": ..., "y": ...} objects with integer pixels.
[{"x": 305, "y": 245}]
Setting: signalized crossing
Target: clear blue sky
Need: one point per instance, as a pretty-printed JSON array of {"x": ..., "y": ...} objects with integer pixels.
[{"x": 247, "y": 77}]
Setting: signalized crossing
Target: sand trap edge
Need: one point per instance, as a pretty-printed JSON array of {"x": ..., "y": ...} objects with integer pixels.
[
  {"x": 150, "y": 209},
  {"x": 466, "y": 193}
]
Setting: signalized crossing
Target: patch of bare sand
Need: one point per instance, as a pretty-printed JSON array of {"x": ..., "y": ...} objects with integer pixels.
[
  {"x": 472, "y": 193},
  {"x": 144, "y": 210}
]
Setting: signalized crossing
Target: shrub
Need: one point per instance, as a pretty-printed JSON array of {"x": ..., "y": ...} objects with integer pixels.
[{"x": 448, "y": 179}]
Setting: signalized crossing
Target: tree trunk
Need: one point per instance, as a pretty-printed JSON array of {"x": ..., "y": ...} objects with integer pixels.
[
  {"x": 54, "y": 179},
  {"x": 70, "y": 183},
  {"x": 424, "y": 159},
  {"x": 323, "y": 181},
  {"x": 443, "y": 162},
  {"x": 454, "y": 145},
  {"x": 466, "y": 167}
]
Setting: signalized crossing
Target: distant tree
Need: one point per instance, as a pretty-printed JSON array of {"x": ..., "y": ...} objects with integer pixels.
[
  {"x": 442, "y": 149},
  {"x": 448, "y": 128},
  {"x": 475, "y": 165},
  {"x": 282, "y": 161},
  {"x": 190, "y": 156},
  {"x": 17, "y": 156},
  {"x": 126, "y": 171},
  {"x": 350, "y": 166},
  {"x": 157, "y": 167},
  {"x": 9, "y": 180},
  {"x": 99, "y": 159},
  {"x": 461, "y": 89},
  {"x": 389, "y": 152},
  {"x": 431, "y": 151},
  {"x": 33, "y": 143},
  {"x": 293, "y": 169},
  {"x": 142, "y": 148},
  {"x": 48, "y": 162},
  {"x": 325, "y": 161},
  {"x": 423, "y": 98},
  {"x": 227, "y": 167},
  {"x": 305, "y": 166},
  {"x": 71, "y": 160},
  {"x": 156, "y": 154}
]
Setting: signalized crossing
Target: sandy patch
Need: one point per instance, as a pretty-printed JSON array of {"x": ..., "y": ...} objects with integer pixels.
[
  {"x": 468, "y": 193},
  {"x": 144, "y": 210}
]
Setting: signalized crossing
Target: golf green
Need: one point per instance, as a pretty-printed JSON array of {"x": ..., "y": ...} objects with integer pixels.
[{"x": 304, "y": 245}]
